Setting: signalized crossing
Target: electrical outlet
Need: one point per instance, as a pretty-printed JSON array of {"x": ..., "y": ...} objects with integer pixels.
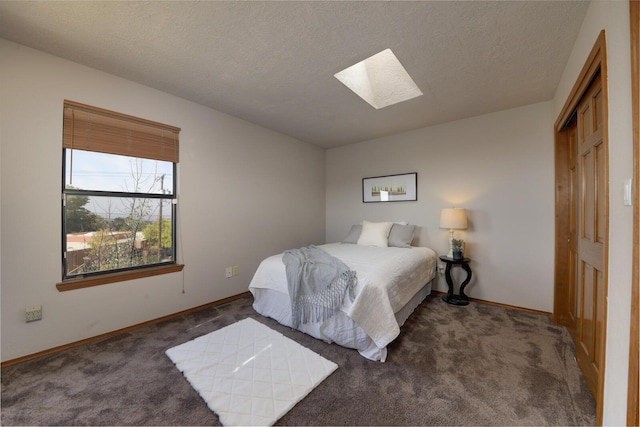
[
  {"x": 236, "y": 270},
  {"x": 228, "y": 272},
  {"x": 34, "y": 313}
]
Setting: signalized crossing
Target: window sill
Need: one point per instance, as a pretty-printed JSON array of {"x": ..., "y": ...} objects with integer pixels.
[{"x": 87, "y": 282}]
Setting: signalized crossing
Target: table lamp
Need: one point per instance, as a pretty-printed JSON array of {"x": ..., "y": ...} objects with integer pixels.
[{"x": 453, "y": 219}]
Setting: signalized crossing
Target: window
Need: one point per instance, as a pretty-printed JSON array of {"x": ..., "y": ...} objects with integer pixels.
[{"x": 118, "y": 196}]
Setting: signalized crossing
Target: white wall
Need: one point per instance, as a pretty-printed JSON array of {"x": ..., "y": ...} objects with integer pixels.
[
  {"x": 244, "y": 192},
  {"x": 499, "y": 166},
  {"x": 613, "y": 17}
]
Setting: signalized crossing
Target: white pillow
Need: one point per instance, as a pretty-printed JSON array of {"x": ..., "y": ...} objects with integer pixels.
[{"x": 375, "y": 234}]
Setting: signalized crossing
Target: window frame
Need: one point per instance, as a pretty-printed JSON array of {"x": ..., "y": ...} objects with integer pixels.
[{"x": 95, "y": 278}]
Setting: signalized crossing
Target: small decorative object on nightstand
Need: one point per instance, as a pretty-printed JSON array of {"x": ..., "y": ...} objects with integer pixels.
[
  {"x": 451, "y": 298},
  {"x": 457, "y": 248}
]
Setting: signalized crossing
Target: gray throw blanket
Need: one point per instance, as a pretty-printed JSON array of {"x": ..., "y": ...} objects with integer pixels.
[{"x": 317, "y": 284}]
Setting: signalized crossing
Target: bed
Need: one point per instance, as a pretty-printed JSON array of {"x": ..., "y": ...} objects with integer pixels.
[{"x": 391, "y": 283}]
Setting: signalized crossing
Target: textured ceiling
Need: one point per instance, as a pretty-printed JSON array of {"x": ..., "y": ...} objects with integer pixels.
[{"x": 273, "y": 63}]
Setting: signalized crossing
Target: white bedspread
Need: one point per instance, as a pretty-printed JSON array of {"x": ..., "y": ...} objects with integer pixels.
[{"x": 387, "y": 279}]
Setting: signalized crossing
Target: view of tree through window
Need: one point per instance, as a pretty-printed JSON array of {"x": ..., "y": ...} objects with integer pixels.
[{"x": 118, "y": 212}]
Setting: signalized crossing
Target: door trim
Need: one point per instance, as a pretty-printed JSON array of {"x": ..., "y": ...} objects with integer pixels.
[
  {"x": 596, "y": 62},
  {"x": 633, "y": 396}
]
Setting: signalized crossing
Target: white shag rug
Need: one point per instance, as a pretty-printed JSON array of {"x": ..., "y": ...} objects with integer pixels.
[{"x": 248, "y": 373}]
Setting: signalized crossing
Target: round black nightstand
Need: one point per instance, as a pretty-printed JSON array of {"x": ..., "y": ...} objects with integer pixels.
[{"x": 451, "y": 298}]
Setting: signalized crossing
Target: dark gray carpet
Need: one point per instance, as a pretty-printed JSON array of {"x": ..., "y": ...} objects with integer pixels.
[{"x": 473, "y": 365}]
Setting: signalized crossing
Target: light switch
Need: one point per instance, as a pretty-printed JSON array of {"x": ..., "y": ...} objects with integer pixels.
[{"x": 628, "y": 193}]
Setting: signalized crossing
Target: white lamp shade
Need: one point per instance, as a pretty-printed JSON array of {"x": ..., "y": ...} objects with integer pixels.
[{"x": 453, "y": 218}]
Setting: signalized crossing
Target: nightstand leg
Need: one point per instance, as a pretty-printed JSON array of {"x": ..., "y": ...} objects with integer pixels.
[
  {"x": 447, "y": 275},
  {"x": 466, "y": 281},
  {"x": 450, "y": 298}
]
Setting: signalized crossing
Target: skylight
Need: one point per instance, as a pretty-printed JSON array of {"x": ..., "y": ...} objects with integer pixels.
[{"x": 380, "y": 80}]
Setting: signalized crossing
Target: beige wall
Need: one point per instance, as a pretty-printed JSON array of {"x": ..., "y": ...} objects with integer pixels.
[
  {"x": 498, "y": 166},
  {"x": 613, "y": 17},
  {"x": 244, "y": 193}
]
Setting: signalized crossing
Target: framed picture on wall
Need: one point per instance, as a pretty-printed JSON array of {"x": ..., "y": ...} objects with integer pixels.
[{"x": 390, "y": 188}]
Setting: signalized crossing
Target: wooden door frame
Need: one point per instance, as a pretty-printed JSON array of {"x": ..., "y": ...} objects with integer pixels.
[
  {"x": 633, "y": 396},
  {"x": 596, "y": 62}
]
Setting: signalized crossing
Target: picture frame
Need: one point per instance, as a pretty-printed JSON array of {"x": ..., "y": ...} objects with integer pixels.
[{"x": 390, "y": 188}]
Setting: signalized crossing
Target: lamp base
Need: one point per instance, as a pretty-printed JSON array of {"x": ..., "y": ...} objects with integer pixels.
[{"x": 450, "y": 253}]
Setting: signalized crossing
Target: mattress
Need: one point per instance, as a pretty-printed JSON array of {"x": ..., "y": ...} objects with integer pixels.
[{"x": 391, "y": 283}]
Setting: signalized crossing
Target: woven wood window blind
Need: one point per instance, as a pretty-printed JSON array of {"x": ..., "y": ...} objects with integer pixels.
[{"x": 95, "y": 129}]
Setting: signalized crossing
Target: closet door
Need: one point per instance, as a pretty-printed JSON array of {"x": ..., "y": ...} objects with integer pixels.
[
  {"x": 589, "y": 283},
  {"x": 574, "y": 291}
]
